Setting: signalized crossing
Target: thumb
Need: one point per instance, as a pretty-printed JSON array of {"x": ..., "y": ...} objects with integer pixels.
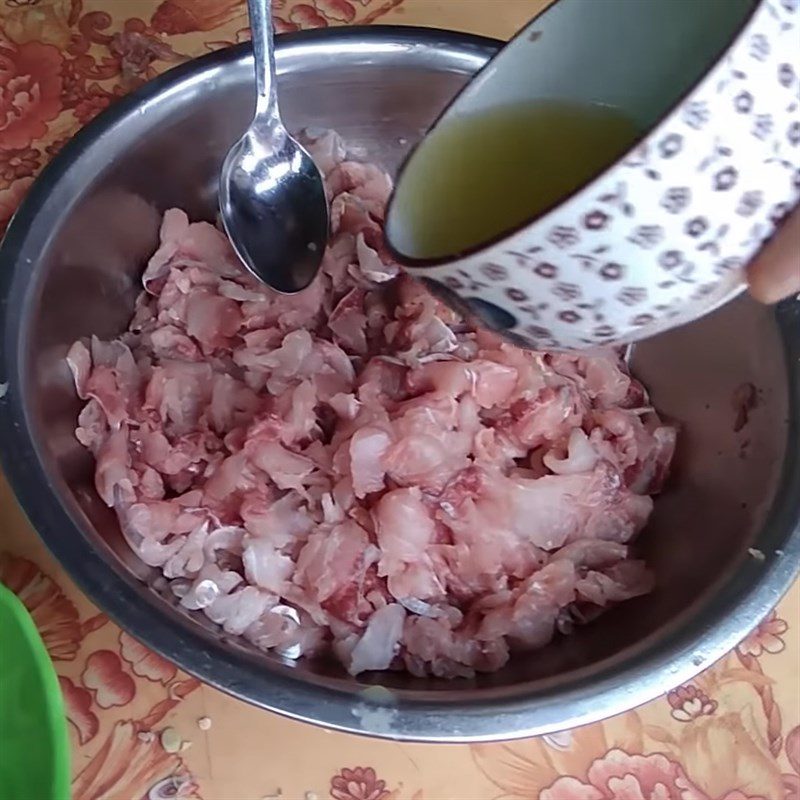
[{"x": 775, "y": 271}]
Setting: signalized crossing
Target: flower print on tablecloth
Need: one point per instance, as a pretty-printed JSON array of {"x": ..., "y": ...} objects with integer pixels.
[
  {"x": 17, "y": 163},
  {"x": 52, "y": 611},
  {"x": 134, "y": 759},
  {"x": 30, "y": 91},
  {"x": 765, "y": 640},
  {"x": 144, "y": 662},
  {"x": 766, "y": 637},
  {"x": 132, "y": 765},
  {"x": 729, "y": 710},
  {"x": 78, "y": 708},
  {"x": 105, "y": 677},
  {"x": 106, "y": 681},
  {"x": 10, "y": 198},
  {"x": 363, "y": 783},
  {"x": 172, "y": 17},
  {"x": 618, "y": 774},
  {"x": 688, "y": 702},
  {"x": 791, "y": 780},
  {"x": 62, "y": 62},
  {"x": 621, "y": 758},
  {"x": 358, "y": 783}
]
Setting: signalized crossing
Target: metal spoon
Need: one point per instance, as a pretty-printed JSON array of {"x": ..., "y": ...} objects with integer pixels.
[{"x": 271, "y": 194}]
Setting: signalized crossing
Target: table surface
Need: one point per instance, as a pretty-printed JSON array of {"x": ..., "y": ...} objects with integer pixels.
[{"x": 732, "y": 734}]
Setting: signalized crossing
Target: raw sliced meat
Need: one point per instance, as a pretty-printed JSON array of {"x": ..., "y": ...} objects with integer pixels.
[{"x": 355, "y": 469}]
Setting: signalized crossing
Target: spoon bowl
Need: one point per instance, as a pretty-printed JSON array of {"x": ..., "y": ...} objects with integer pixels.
[
  {"x": 274, "y": 209},
  {"x": 271, "y": 195}
]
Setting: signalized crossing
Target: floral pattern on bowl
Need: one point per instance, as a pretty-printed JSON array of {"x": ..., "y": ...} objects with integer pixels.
[{"x": 663, "y": 235}]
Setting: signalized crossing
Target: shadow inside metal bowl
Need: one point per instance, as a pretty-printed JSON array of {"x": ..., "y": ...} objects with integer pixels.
[{"x": 724, "y": 540}]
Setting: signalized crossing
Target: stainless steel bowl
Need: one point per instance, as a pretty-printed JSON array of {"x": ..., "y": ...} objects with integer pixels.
[{"x": 724, "y": 540}]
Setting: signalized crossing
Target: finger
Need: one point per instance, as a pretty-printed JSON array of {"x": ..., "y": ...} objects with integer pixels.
[{"x": 775, "y": 272}]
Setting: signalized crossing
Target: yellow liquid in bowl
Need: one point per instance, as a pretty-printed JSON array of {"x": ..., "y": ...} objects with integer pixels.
[{"x": 476, "y": 177}]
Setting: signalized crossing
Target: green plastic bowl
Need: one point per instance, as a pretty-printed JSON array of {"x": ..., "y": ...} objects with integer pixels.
[{"x": 34, "y": 747}]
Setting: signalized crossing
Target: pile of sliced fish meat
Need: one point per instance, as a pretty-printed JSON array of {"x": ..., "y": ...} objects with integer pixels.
[{"x": 356, "y": 468}]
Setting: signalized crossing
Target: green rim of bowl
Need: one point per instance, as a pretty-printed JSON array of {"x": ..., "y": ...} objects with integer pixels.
[{"x": 34, "y": 746}]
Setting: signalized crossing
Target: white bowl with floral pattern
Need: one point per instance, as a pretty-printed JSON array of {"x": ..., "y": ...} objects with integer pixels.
[{"x": 661, "y": 236}]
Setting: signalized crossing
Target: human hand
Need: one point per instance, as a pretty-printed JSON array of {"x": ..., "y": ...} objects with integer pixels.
[{"x": 775, "y": 271}]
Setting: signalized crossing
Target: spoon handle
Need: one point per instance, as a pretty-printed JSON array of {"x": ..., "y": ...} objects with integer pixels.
[{"x": 260, "y": 12}]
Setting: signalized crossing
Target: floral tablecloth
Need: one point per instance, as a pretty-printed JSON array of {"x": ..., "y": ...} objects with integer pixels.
[{"x": 142, "y": 729}]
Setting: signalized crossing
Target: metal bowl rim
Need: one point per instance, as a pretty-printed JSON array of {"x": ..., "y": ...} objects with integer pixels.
[{"x": 614, "y": 685}]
